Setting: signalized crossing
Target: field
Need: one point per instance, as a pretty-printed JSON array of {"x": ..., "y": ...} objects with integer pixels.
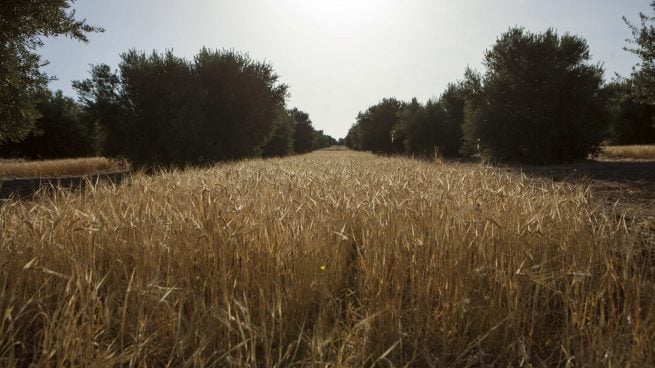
[
  {"x": 59, "y": 168},
  {"x": 334, "y": 258},
  {"x": 628, "y": 152}
]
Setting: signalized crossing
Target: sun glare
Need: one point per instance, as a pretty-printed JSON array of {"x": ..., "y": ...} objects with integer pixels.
[{"x": 334, "y": 15}]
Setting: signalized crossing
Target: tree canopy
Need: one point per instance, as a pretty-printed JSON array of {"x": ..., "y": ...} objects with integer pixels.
[
  {"x": 643, "y": 46},
  {"x": 281, "y": 141},
  {"x": 61, "y": 131},
  {"x": 437, "y": 126},
  {"x": 304, "y": 131},
  {"x": 632, "y": 121},
  {"x": 540, "y": 100},
  {"x": 23, "y": 27},
  {"x": 375, "y": 127},
  {"x": 160, "y": 108}
]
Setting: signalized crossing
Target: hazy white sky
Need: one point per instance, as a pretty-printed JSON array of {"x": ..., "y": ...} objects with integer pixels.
[{"x": 341, "y": 56}]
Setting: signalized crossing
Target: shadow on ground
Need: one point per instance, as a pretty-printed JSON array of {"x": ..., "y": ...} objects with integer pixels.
[
  {"x": 621, "y": 186},
  {"x": 629, "y": 172},
  {"x": 27, "y": 188}
]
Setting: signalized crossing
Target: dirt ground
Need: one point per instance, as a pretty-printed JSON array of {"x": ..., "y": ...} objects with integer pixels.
[{"x": 621, "y": 187}]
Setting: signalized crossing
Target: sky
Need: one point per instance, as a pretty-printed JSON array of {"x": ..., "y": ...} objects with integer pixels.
[{"x": 341, "y": 56}]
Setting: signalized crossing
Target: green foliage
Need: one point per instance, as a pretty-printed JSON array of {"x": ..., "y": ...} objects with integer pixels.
[
  {"x": 105, "y": 105},
  {"x": 472, "y": 84},
  {"x": 643, "y": 45},
  {"x": 243, "y": 98},
  {"x": 61, "y": 131},
  {"x": 23, "y": 26},
  {"x": 633, "y": 122},
  {"x": 416, "y": 129},
  {"x": 352, "y": 139},
  {"x": 164, "y": 120},
  {"x": 375, "y": 127},
  {"x": 304, "y": 131},
  {"x": 392, "y": 126},
  {"x": 436, "y": 127},
  {"x": 281, "y": 141},
  {"x": 453, "y": 105},
  {"x": 540, "y": 101},
  {"x": 167, "y": 110},
  {"x": 322, "y": 140}
]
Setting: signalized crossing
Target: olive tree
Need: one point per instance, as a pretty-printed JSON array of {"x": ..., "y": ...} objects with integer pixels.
[{"x": 23, "y": 27}]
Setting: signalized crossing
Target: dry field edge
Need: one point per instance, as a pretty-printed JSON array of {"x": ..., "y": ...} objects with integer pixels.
[
  {"x": 27, "y": 187},
  {"x": 61, "y": 168},
  {"x": 333, "y": 258},
  {"x": 633, "y": 152}
]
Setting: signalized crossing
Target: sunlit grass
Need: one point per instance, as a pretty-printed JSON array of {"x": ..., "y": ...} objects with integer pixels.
[
  {"x": 636, "y": 152},
  {"x": 327, "y": 259},
  {"x": 58, "y": 168}
]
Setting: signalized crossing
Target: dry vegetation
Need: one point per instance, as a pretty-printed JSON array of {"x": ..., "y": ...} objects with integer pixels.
[
  {"x": 327, "y": 259},
  {"x": 59, "y": 168},
  {"x": 628, "y": 153}
]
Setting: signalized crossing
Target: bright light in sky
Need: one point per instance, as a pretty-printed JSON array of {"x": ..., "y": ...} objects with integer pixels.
[
  {"x": 341, "y": 56},
  {"x": 341, "y": 15}
]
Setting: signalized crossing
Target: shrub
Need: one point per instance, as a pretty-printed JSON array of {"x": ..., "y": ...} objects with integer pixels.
[{"x": 540, "y": 100}]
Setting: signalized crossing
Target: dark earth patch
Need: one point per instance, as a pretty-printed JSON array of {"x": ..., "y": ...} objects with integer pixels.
[{"x": 621, "y": 187}]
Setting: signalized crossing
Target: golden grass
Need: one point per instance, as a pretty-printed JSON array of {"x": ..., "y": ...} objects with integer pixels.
[
  {"x": 628, "y": 152},
  {"x": 59, "y": 168},
  {"x": 329, "y": 259}
]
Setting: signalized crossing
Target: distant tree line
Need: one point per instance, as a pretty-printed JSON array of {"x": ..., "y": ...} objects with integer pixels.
[
  {"x": 539, "y": 101},
  {"x": 219, "y": 106},
  {"x": 163, "y": 109}
]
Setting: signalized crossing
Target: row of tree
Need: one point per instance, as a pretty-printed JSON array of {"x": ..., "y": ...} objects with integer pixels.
[
  {"x": 66, "y": 128},
  {"x": 155, "y": 109},
  {"x": 163, "y": 109},
  {"x": 219, "y": 106},
  {"x": 539, "y": 101}
]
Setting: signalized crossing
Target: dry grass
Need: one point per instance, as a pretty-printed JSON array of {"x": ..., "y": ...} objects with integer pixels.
[
  {"x": 628, "y": 152},
  {"x": 328, "y": 259},
  {"x": 59, "y": 168}
]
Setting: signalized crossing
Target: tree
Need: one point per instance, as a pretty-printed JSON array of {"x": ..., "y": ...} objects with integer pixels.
[
  {"x": 632, "y": 121},
  {"x": 453, "y": 104},
  {"x": 411, "y": 128},
  {"x": 472, "y": 84},
  {"x": 435, "y": 127},
  {"x": 540, "y": 100},
  {"x": 104, "y": 104},
  {"x": 162, "y": 109},
  {"x": 643, "y": 45},
  {"x": 23, "y": 27},
  {"x": 375, "y": 126},
  {"x": 352, "y": 139},
  {"x": 281, "y": 141},
  {"x": 322, "y": 140},
  {"x": 304, "y": 131},
  {"x": 61, "y": 131},
  {"x": 243, "y": 98}
]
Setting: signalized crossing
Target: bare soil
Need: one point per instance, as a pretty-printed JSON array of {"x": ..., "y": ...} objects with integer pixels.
[{"x": 621, "y": 187}]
